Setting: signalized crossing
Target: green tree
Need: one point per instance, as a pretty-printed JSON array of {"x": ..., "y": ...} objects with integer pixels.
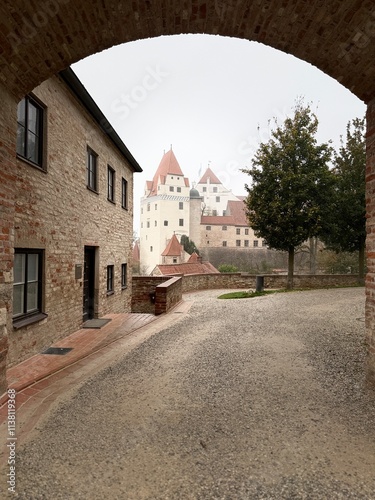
[
  {"x": 346, "y": 225},
  {"x": 291, "y": 183},
  {"x": 189, "y": 245}
]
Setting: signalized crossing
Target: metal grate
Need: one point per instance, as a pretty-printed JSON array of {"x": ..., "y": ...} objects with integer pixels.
[{"x": 57, "y": 350}]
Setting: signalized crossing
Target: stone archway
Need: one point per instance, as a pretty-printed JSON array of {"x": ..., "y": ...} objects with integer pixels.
[{"x": 40, "y": 38}]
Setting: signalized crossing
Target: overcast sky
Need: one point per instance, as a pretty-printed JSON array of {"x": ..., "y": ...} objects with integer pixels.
[{"x": 210, "y": 97}]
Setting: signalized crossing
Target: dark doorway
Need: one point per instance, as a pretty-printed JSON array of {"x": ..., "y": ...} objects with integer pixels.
[{"x": 89, "y": 284}]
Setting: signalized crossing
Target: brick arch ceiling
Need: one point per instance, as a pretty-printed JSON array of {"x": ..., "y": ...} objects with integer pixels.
[{"x": 41, "y": 37}]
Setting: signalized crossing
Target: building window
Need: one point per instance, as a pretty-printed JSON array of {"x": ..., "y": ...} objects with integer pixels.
[
  {"x": 238, "y": 243},
  {"x": 208, "y": 228},
  {"x": 156, "y": 206},
  {"x": 92, "y": 170},
  {"x": 174, "y": 260},
  {"x": 204, "y": 189},
  {"x": 156, "y": 223},
  {"x": 181, "y": 205},
  {"x": 124, "y": 194},
  {"x": 27, "y": 285},
  {"x": 124, "y": 276},
  {"x": 30, "y": 131},
  {"x": 246, "y": 243},
  {"x": 180, "y": 222},
  {"x": 224, "y": 243},
  {"x": 142, "y": 225},
  {"x": 214, "y": 213},
  {"x": 165, "y": 223},
  {"x": 151, "y": 249},
  {"x": 171, "y": 188},
  {"x": 224, "y": 228},
  {"x": 247, "y": 232},
  {"x": 217, "y": 199},
  {"x": 111, "y": 184},
  {"x": 255, "y": 243},
  {"x": 148, "y": 207},
  {"x": 238, "y": 230},
  {"x": 110, "y": 279},
  {"x": 224, "y": 212},
  {"x": 178, "y": 189},
  {"x": 141, "y": 209},
  {"x": 215, "y": 189},
  {"x": 148, "y": 223}
]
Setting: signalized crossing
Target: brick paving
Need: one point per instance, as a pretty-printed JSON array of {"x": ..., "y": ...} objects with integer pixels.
[{"x": 42, "y": 379}]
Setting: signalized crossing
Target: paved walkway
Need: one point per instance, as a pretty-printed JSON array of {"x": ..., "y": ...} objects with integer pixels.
[{"x": 40, "y": 380}]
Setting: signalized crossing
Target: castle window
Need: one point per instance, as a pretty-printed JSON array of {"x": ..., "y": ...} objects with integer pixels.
[
  {"x": 165, "y": 223},
  {"x": 181, "y": 222},
  {"x": 224, "y": 243},
  {"x": 208, "y": 228},
  {"x": 215, "y": 189},
  {"x": 238, "y": 243},
  {"x": 246, "y": 243},
  {"x": 178, "y": 190},
  {"x": 238, "y": 230},
  {"x": 246, "y": 232},
  {"x": 171, "y": 188},
  {"x": 255, "y": 243},
  {"x": 217, "y": 199},
  {"x": 224, "y": 228},
  {"x": 181, "y": 205}
]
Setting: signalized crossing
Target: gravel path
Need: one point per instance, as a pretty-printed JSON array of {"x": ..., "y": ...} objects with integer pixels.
[{"x": 241, "y": 399}]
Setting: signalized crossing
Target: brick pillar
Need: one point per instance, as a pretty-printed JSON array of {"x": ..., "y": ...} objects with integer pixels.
[
  {"x": 370, "y": 243},
  {"x": 7, "y": 208}
]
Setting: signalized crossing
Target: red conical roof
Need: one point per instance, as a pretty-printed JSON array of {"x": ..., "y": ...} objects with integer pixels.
[
  {"x": 174, "y": 248},
  {"x": 209, "y": 175},
  {"x": 168, "y": 165}
]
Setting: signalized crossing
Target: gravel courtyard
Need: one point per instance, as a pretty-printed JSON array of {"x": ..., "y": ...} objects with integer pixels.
[{"x": 240, "y": 399}]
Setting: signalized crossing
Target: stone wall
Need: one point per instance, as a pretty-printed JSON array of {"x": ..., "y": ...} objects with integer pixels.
[
  {"x": 8, "y": 180},
  {"x": 57, "y": 213},
  {"x": 370, "y": 243}
]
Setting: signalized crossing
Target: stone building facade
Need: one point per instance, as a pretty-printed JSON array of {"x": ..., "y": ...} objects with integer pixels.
[{"x": 73, "y": 218}]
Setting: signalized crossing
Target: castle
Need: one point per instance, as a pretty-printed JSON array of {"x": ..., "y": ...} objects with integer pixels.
[{"x": 209, "y": 214}]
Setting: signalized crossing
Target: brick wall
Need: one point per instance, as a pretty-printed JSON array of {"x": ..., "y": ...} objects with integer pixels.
[
  {"x": 56, "y": 212},
  {"x": 370, "y": 242},
  {"x": 7, "y": 207},
  {"x": 168, "y": 294},
  {"x": 238, "y": 280},
  {"x": 143, "y": 288}
]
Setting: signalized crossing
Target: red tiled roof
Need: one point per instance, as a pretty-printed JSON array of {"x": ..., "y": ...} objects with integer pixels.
[
  {"x": 174, "y": 248},
  {"x": 187, "y": 268},
  {"x": 168, "y": 165},
  {"x": 236, "y": 217},
  {"x": 194, "y": 257},
  {"x": 209, "y": 175},
  {"x": 236, "y": 209}
]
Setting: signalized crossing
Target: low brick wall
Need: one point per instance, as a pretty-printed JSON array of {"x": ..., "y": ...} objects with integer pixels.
[
  {"x": 157, "y": 294},
  {"x": 238, "y": 280},
  {"x": 143, "y": 293},
  {"x": 168, "y": 294}
]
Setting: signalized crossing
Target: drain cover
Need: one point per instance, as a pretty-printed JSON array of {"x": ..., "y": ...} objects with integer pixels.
[{"x": 57, "y": 350}]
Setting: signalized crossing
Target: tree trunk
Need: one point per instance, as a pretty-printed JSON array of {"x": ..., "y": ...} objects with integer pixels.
[
  {"x": 313, "y": 251},
  {"x": 361, "y": 264},
  {"x": 289, "y": 282}
]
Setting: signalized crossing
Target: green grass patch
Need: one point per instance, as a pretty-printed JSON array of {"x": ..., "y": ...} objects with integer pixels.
[{"x": 245, "y": 295}]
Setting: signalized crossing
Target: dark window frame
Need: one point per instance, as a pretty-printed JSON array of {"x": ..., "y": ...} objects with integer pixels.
[
  {"x": 23, "y": 152},
  {"x": 180, "y": 222},
  {"x": 110, "y": 279},
  {"x": 92, "y": 170},
  {"x": 38, "y": 311},
  {"x": 124, "y": 275},
  {"x": 124, "y": 194},
  {"x": 111, "y": 183}
]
